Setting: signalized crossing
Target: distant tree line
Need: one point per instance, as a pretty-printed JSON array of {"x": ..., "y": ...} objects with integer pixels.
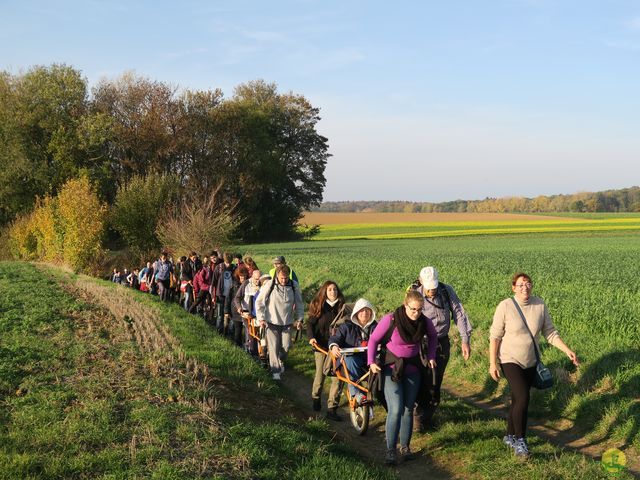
[
  {"x": 258, "y": 150},
  {"x": 623, "y": 200}
]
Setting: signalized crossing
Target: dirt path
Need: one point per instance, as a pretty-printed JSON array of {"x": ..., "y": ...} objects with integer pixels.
[{"x": 372, "y": 444}]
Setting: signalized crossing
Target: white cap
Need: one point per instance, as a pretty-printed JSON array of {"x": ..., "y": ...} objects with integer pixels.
[{"x": 429, "y": 278}]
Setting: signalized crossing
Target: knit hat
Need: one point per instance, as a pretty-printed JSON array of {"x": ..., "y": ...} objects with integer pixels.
[
  {"x": 360, "y": 304},
  {"x": 429, "y": 278}
]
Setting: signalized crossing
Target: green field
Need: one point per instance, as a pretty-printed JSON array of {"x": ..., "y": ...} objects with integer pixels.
[
  {"x": 589, "y": 282},
  {"x": 405, "y": 230}
]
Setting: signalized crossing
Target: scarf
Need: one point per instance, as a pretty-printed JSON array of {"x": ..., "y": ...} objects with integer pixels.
[
  {"x": 411, "y": 331},
  {"x": 331, "y": 304}
]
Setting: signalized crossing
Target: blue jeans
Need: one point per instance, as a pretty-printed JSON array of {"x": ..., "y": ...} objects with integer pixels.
[
  {"x": 357, "y": 367},
  {"x": 219, "y": 313},
  {"x": 188, "y": 297},
  {"x": 400, "y": 398}
]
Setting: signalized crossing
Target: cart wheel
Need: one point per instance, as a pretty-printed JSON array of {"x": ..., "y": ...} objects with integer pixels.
[{"x": 360, "y": 418}]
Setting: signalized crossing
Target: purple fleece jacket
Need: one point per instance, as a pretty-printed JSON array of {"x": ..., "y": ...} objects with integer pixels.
[{"x": 397, "y": 345}]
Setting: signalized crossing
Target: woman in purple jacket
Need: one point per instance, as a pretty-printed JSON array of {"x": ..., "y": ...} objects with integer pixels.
[{"x": 401, "y": 368}]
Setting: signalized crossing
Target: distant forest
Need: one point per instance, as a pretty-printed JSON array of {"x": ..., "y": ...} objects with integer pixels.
[{"x": 623, "y": 200}]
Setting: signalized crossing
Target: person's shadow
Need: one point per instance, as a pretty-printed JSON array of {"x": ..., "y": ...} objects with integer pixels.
[{"x": 609, "y": 401}]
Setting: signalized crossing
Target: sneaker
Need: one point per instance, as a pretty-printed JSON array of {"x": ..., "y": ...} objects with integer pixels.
[
  {"x": 359, "y": 398},
  {"x": 509, "y": 440},
  {"x": 406, "y": 454},
  {"x": 520, "y": 448},
  {"x": 316, "y": 404},
  {"x": 390, "y": 457},
  {"x": 332, "y": 414},
  {"x": 276, "y": 376}
]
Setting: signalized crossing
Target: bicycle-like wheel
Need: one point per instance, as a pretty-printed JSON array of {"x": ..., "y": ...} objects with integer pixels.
[{"x": 360, "y": 418}]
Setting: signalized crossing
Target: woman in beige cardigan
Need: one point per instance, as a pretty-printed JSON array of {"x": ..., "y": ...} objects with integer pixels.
[{"x": 512, "y": 350}]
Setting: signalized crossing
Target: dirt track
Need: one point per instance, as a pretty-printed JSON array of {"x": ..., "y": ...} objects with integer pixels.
[{"x": 370, "y": 445}]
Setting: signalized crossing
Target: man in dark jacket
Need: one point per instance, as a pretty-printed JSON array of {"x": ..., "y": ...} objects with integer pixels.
[
  {"x": 189, "y": 269},
  {"x": 221, "y": 286}
]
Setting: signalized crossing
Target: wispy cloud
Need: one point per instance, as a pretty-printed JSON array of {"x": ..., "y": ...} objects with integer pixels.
[
  {"x": 634, "y": 23},
  {"x": 236, "y": 54},
  {"x": 186, "y": 53},
  {"x": 262, "y": 36},
  {"x": 341, "y": 58},
  {"x": 623, "y": 45}
]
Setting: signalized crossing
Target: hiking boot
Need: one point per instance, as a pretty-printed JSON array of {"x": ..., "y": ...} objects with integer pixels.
[
  {"x": 316, "y": 404},
  {"x": 276, "y": 376},
  {"x": 431, "y": 425},
  {"x": 509, "y": 440},
  {"x": 406, "y": 454},
  {"x": 332, "y": 414},
  {"x": 391, "y": 457},
  {"x": 521, "y": 449}
]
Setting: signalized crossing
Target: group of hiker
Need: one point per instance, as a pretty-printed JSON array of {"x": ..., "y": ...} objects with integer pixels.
[{"x": 407, "y": 350}]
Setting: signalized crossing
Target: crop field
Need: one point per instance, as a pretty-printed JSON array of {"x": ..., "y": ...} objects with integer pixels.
[
  {"x": 589, "y": 282},
  {"x": 345, "y": 226}
]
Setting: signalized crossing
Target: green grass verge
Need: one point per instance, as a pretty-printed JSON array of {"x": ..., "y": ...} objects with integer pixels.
[{"x": 79, "y": 399}]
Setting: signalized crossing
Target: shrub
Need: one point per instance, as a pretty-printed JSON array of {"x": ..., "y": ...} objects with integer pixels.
[
  {"x": 46, "y": 226},
  {"x": 198, "y": 224},
  {"x": 82, "y": 218},
  {"x": 138, "y": 206},
  {"x": 23, "y": 241}
]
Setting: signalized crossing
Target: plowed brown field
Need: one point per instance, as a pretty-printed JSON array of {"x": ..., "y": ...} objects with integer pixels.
[{"x": 330, "y": 218}]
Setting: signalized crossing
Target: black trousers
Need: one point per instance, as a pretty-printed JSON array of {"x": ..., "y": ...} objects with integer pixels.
[
  {"x": 163, "y": 289},
  {"x": 238, "y": 336},
  {"x": 203, "y": 296},
  {"x": 520, "y": 380},
  {"x": 429, "y": 395}
]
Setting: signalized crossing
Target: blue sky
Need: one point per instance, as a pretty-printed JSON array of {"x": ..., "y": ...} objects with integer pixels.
[{"x": 420, "y": 100}]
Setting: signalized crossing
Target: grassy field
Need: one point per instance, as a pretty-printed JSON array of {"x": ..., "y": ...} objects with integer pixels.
[
  {"x": 589, "y": 282},
  {"x": 80, "y": 398}
]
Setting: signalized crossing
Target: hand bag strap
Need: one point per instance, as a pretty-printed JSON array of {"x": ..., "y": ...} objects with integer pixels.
[{"x": 524, "y": 320}]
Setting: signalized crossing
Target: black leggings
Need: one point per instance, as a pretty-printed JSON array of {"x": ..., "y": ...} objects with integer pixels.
[{"x": 520, "y": 380}]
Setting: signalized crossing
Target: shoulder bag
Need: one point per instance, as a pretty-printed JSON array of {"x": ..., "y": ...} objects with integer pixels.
[{"x": 543, "y": 378}]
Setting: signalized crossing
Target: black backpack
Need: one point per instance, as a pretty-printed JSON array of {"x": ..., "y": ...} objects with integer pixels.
[
  {"x": 442, "y": 291},
  {"x": 273, "y": 285}
]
